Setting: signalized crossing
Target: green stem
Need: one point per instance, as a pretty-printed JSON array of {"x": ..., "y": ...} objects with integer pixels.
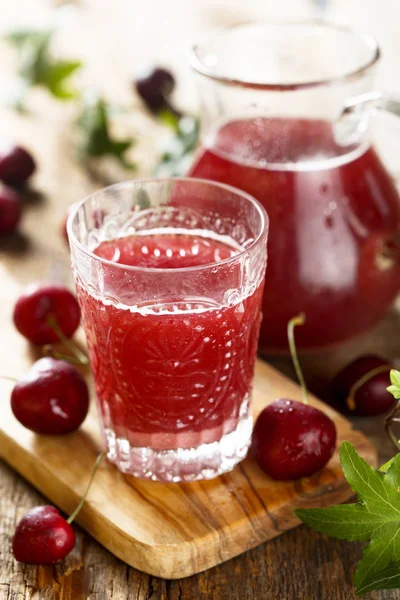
[
  {"x": 48, "y": 350},
  {"x": 351, "y": 402},
  {"x": 82, "y": 502},
  {"x": 299, "y": 320},
  {"x": 13, "y": 379},
  {"x": 80, "y": 357},
  {"x": 390, "y": 419}
]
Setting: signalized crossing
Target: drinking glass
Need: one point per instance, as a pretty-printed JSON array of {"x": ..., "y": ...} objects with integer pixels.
[
  {"x": 169, "y": 275},
  {"x": 285, "y": 116}
]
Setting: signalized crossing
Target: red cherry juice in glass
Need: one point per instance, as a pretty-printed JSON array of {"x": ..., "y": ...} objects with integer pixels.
[
  {"x": 334, "y": 213},
  {"x": 176, "y": 374}
]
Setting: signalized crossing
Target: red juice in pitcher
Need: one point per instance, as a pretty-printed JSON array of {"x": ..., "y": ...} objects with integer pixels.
[
  {"x": 334, "y": 220},
  {"x": 172, "y": 374}
]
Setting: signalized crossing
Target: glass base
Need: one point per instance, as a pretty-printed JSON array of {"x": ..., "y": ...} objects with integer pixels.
[{"x": 182, "y": 464}]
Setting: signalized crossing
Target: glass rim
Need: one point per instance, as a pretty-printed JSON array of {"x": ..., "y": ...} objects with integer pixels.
[
  {"x": 136, "y": 182},
  {"x": 368, "y": 40}
]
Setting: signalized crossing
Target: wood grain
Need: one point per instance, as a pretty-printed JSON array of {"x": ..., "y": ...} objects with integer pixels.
[
  {"x": 298, "y": 565},
  {"x": 174, "y": 530}
]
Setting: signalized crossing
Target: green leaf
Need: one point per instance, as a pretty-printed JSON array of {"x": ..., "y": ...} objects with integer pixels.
[
  {"x": 20, "y": 37},
  {"x": 55, "y": 77},
  {"x": 393, "y": 473},
  {"x": 370, "y": 485},
  {"x": 374, "y": 519},
  {"x": 381, "y": 552},
  {"x": 395, "y": 377},
  {"x": 177, "y": 154},
  {"x": 385, "y": 467},
  {"x": 348, "y": 522},
  {"x": 96, "y": 139},
  {"x": 388, "y": 579},
  {"x": 33, "y": 58},
  {"x": 170, "y": 119},
  {"x": 36, "y": 66},
  {"x": 395, "y": 387}
]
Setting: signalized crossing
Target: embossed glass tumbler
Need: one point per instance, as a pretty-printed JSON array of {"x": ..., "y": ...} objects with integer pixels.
[{"x": 169, "y": 275}]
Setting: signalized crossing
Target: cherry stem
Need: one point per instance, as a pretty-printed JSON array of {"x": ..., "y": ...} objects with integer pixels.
[
  {"x": 299, "y": 320},
  {"x": 78, "y": 358},
  {"x": 389, "y": 421},
  {"x": 8, "y": 378},
  {"x": 83, "y": 499},
  {"x": 351, "y": 403},
  {"x": 48, "y": 350}
]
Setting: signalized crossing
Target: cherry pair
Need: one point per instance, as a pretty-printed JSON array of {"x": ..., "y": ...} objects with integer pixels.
[
  {"x": 53, "y": 397},
  {"x": 16, "y": 166}
]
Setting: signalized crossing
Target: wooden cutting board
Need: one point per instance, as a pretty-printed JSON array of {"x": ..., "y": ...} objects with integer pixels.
[{"x": 174, "y": 530}]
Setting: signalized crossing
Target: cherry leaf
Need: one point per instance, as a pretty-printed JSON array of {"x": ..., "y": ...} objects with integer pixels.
[{"x": 374, "y": 519}]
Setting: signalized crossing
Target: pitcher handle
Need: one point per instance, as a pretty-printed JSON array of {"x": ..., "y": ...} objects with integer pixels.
[
  {"x": 353, "y": 120},
  {"x": 371, "y": 101}
]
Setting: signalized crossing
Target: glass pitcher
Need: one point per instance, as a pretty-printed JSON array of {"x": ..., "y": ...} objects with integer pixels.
[{"x": 285, "y": 117}]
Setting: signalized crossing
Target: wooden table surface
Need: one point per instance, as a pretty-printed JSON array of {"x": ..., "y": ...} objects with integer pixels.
[{"x": 116, "y": 38}]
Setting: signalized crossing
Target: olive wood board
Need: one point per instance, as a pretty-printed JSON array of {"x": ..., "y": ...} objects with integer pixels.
[{"x": 174, "y": 530}]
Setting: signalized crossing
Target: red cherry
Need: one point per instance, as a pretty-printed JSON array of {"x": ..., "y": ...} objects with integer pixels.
[
  {"x": 52, "y": 398},
  {"x": 42, "y": 537},
  {"x": 292, "y": 439},
  {"x": 155, "y": 86},
  {"x": 16, "y": 165},
  {"x": 43, "y": 301},
  {"x": 10, "y": 209},
  {"x": 360, "y": 388}
]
